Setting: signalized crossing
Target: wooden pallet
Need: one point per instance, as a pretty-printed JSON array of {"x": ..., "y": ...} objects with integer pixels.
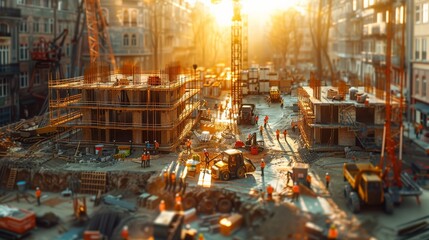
[
  {"x": 12, "y": 178},
  {"x": 92, "y": 182}
]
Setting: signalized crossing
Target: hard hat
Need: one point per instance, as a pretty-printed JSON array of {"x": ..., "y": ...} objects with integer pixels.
[
  {"x": 296, "y": 183},
  {"x": 126, "y": 227},
  {"x": 262, "y": 159},
  {"x": 332, "y": 225},
  {"x": 327, "y": 173},
  {"x": 37, "y": 188},
  {"x": 205, "y": 150},
  {"x": 162, "y": 201},
  {"x": 154, "y": 140},
  {"x": 177, "y": 194}
]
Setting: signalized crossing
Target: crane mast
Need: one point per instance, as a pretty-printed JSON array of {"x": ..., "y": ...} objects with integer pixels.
[{"x": 236, "y": 56}]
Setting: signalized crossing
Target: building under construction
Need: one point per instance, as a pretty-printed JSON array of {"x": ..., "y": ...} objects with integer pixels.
[
  {"x": 341, "y": 116},
  {"x": 131, "y": 108}
]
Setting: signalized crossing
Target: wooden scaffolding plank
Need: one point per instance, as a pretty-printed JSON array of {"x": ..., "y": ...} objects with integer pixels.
[
  {"x": 92, "y": 182},
  {"x": 12, "y": 178}
]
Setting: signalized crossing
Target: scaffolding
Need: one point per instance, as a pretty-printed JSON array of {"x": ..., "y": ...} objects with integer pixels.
[{"x": 109, "y": 107}]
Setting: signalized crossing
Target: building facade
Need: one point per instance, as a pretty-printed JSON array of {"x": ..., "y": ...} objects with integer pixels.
[
  {"x": 24, "y": 25},
  {"x": 420, "y": 65}
]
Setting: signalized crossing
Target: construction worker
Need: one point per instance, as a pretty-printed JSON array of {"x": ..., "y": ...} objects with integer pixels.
[
  {"x": 166, "y": 179},
  {"x": 178, "y": 203},
  {"x": 295, "y": 191},
  {"x": 285, "y": 134},
  {"x": 308, "y": 179},
  {"x": 265, "y": 122},
  {"x": 200, "y": 236},
  {"x": 147, "y": 159},
  {"x": 262, "y": 166},
  {"x": 261, "y": 129},
  {"x": 144, "y": 159},
  {"x": 270, "y": 191},
  {"x": 124, "y": 233},
  {"x": 282, "y": 103},
  {"x": 156, "y": 146},
  {"x": 328, "y": 180},
  {"x": 188, "y": 146},
  {"x": 256, "y": 119},
  {"x": 173, "y": 181},
  {"x": 162, "y": 206},
  {"x": 278, "y": 134},
  {"x": 38, "y": 195},
  {"x": 332, "y": 232},
  {"x": 207, "y": 158}
]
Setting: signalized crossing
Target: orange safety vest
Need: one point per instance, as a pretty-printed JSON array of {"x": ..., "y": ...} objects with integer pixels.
[
  {"x": 124, "y": 233},
  {"x": 332, "y": 233},
  {"x": 308, "y": 178},
  {"x": 270, "y": 189},
  {"x": 162, "y": 206},
  {"x": 277, "y": 132},
  {"x": 285, "y": 132},
  {"x": 144, "y": 157},
  {"x": 262, "y": 164},
  {"x": 178, "y": 199},
  {"x": 328, "y": 178},
  {"x": 38, "y": 193},
  {"x": 266, "y": 118},
  {"x": 295, "y": 189},
  {"x": 173, "y": 176},
  {"x": 156, "y": 145},
  {"x": 188, "y": 143}
]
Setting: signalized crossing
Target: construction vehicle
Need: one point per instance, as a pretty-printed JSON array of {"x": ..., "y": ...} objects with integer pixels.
[
  {"x": 299, "y": 173},
  {"x": 275, "y": 94},
  {"x": 15, "y": 223},
  {"x": 252, "y": 143},
  {"x": 246, "y": 114},
  {"x": 365, "y": 186},
  {"x": 231, "y": 163}
]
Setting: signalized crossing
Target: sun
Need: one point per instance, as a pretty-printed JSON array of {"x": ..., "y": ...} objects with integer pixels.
[{"x": 223, "y": 9}]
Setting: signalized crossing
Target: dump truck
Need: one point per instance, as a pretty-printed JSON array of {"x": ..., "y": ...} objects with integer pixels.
[
  {"x": 15, "y": 223},
  {"x": 246, "y": 114},
  {"x": 231, "y": 163},
  {"x": 275, "y": 94},
  {"x": 365, "y": 186}
]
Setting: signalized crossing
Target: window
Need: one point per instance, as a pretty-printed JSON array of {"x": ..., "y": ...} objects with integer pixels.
[
  {"x": 4, "y": 29},
  {"x": 23, "y": 26},
  {"x": 23, "y": 51},
  {"x": 417, "y": 84},
  {"x": 22, "y": 2},
  {"x": 134, "y": 18},
  {"x": 133, "y": 40},
  {"x": 425, "y": 15},
  {"x": 2, "y": 3},
  {"x": 47, "y": 3},
  {"x": 36, "y": 25},
  {"x": 417, "y": 49},
  {"x": 37, "y": 78},
  {"x": 418, "y": 13},
  {"x": 36, "y": 2},
  {"x": 4, "y": 87},
  {"x": 51, "y": 25},
  {"x": 126, "y": 40},
  {"x": 4, "y": 54},
  {"x": 424, "y": 48},
  {"x": 46, "y": 26},
  {"x": 424, "y": 86},
  {"x": 126, "y": 18},
  {"x": 23, "y": 80}
]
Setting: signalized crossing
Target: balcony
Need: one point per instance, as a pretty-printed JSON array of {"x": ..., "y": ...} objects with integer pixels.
[
  {"x": 374, "y": 58},
  {"x": 10, "y": 12},
  {"x": 9, "y": 69},
  {"x": 374, "y": 29}
]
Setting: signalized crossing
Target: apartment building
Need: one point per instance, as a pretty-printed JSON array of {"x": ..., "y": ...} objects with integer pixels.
[
  {"x": 420, "y": 65},
  {"x": 150, "y": 34},
  {"x": 24, "y": 25}
]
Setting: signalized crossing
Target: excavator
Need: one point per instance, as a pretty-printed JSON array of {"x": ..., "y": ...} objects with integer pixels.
[{"x": 251, "y": 143}]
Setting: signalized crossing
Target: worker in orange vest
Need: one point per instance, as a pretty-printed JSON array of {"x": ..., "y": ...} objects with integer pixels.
[
  {"x": 148, "y": 159},
  {"x": 270, "y": 191},
  {"x": 256, "y": 119},
  {"x": 308, "y": 180},
  {"x": 200, "y": 236},
  {"x": 144, "y": 158},
  {"x": 328, "y": 180},
  {"x": 265, "y": 122},
  {"x": 332, "y": 232},
  {"x": 260, "y": 129},
  {"x": 178, "y": 203},
  {"x": 162, "y": 206},
  {"x": 166, "y": 180},
  {"x": 156, "y": 146},
  {"x": 124, "y": 233},
  {"x": 285, "y": 134},
  {"x": 38, "y": 195},
  {"x": 173, "y": 181},
  {"x": 188, "y": 146},
  {"x": 278, "y": 134},
  {"x": 295, "y": 191},
  {"x": 262, "y": 166}
]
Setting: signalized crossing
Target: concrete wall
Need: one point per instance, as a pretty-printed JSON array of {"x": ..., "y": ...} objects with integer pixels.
[{"x": 346, "y": 138}]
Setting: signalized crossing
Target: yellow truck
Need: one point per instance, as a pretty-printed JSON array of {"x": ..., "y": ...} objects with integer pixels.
[
  {"x": 365, "y": 186},
  {"x": 275, "y": 94}
]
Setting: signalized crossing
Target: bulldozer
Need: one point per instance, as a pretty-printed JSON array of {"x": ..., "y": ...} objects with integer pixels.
[{"x": 231, "y": 163}]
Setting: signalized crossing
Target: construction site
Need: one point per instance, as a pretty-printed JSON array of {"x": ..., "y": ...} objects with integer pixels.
[{"x": 200, "y": 152}]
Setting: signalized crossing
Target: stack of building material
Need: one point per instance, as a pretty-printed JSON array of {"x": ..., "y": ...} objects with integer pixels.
[
  {"x": 253, "y": 81},
  {"x": 274, "y": 79},
  {"x": 264, "y": 81},
  {"x": 244, "y": 82}
]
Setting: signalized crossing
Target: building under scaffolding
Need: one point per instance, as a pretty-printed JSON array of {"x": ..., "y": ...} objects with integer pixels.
[
  {"x": 341, "y": 117},
  {"x": 131, "y": 108}
]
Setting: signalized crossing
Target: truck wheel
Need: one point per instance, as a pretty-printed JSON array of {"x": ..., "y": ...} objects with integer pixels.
[
  {"x": 354, "y": 203},
  {"x": 347, "y": 191},
  {"x": 388, "y": 203},
  {"x": 224, "y": 205},
  {"x": 241, "y": 172},
  {"x": 225, "y": 176},
  {"x": 189, "y": 202}
]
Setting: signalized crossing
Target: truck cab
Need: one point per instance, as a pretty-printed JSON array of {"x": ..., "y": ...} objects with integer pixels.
[
  {"x": 275, "y": 94},
  {"x": 246, "y": 114},
  {"x": 231, "y": 164}
]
